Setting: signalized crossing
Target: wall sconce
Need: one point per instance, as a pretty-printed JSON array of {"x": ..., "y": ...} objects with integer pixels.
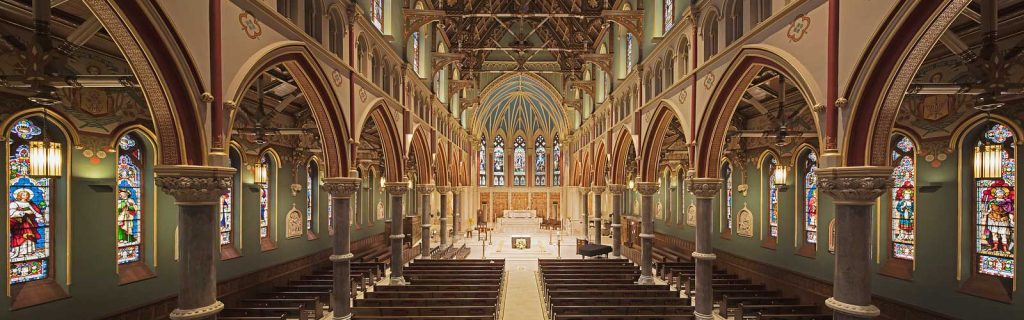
[
  {"x": 779, "y": 177},
  {"x": 382, "y": 182},
  {"x": 295, "y": 189},
  {"x": 988, "y": 161},
  {"x": 259, "y": 173},
  {"x": 631, "y": 184},
  {"x": 410, "y": 184}
]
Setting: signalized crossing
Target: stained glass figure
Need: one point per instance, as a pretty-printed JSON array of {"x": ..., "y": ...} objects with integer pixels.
[
  {"x": 556, "y": 162},
  {"x": 540, "y": 170},
  {"x": 669, "y": 15},
  {"x": 483, "y": 161},
  {"x": 377, "y": 14},
  {"x": 629, "y": 52},
  {"x": 499, "y": 161},
  {"x": 312, "y": 184},
  {"x": 995, "y": 209},
  {"x": 727, "y": 207},
  {"x": 903, "y": 196},
  {"x": 415, "y": 52},
  {"x": 773, "y": 199},
  {"x": 519, "y": 161},
  {"x": 129, "y": 200},
  {"x": 226, "y": 214},
  {"x": 811, "y": 197},
  {"x": 28, "y": 209},
  {"x": 265, "y": 199}
]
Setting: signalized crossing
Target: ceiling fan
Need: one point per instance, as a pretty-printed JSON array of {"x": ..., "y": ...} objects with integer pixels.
[
  {"x": 262, "y": 127},
  {"x": 781, "y": 130},
  {"x": 46, "y": 67},
  {"x": 989, "y": 68}
]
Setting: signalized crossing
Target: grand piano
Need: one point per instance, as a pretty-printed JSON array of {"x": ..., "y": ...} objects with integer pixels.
[{"x": 586, "y": 249}]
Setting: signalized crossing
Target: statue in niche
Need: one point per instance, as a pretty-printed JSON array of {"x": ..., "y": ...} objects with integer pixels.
[
  {"x": 293, "y": 227},
  {"x": 658, "y": 213},
  {"x": 745, "y": 222},
  {"x": 691, "y": 216},
  {"x": 380, "y": 210}
]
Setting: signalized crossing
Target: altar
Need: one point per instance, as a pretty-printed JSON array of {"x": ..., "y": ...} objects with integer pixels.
[
  {"x": 519, "y": 213},
  {"x": 519, "y": 221},
  {"x": 521, "y": 241}
]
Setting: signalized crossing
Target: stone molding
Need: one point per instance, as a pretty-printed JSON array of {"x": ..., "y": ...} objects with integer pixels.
[
  {"x": 704, "y": 188},
  {"x": 345, "y": 317},
  {"x": 341, "y": 257},
  {"x": 424, "y": 188},
  {"x": 396, "y": 188},
  {"x": 341, "y": 187},
  {"x": 396, "y": 236},
  {"x": 617, "y": 189},
  {"x": 855, "y": 185},
  {"x": 647, "y": 235},
  {"x": 868, "y": 311},
  {"x": 647, "y": 188},
  {"x": 616, "y": 225},
  {"x": 197, "y": 313},
  {"x": 701, "y": 316},
  {"x": 194, "y": 185},
  {"x": 703, "y": 256}
]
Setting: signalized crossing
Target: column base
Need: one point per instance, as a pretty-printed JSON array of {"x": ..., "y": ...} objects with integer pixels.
[
  {"x": 197, "y": 313},
  {"x": 344, "y": 317},
  {"x": 397, "y": 281},
  {"x": 341, "y": 257},
  {"x": 701, "y": 316},
  {"x": 645, "y": 280},
  {"x": 868, "y": 311},
  {"x": 703, "y": 256}
]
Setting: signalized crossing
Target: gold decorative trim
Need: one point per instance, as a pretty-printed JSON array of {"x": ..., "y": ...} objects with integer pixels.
[{"x": 197, "y": 313}]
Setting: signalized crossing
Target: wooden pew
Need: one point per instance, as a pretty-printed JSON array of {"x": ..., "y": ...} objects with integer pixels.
[
  {"x": 821, "y": 316},
  {"x": 729, "y": 303},
  {"x": 294, "y": 312},
  {"x": 752, "y": 311},
  {"x": 429, "y": 294},
  {"x": 426, "y": 303},
  {"x": 307, "y": 304},
  {"x": 426, "y": 311},
  {"x": 626, "y": 317}
]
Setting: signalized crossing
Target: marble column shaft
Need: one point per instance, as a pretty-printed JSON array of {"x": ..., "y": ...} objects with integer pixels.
[
  {"x": 444, "y": 214},
  {"x": 647, "y": 190},
  {"x": 456, "y": 191},
  {"x": 586, "y": 211},
  {"x": 853, "y": 190},
  {"x": 341, "y": 191},
  {"x": 197, "y": 192},
  {"x": 397, "y": 190},
  {"x": 703, "y": 189},
  {"x": 617, "y": 191},
  {"x": 424, "y": 190},
  {"x": 597, "y": 213}
]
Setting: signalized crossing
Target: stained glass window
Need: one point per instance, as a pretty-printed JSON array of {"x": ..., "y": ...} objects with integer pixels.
[
  {"x": 903, "y": 196},
  {"x": 556, "y": 162},
  {"x": 519, "y": 161},
  {"x": 540, "y": 168},
  {"x": 499, "y": 161},
  {"x": 773, "y": 199},
  {"x": 415, "y": 52},
  {"x": 129, "y": 199},
  {"x": 629, "y": 52},
  {"x": 330, "y": 214},
  {"x": 265, "y": 199},
  {"x": 669, "y": 15},
  {"x": 995, "y": 209},
  {"x": 810, "y": 164},
  {"x": 377, "y": 13},
  {"x": 28, "y": 209},
  {"x": 727, "y": 197},
  {"x": 312, "y": 192},
  {"x": 483, "y": 161},
  {"x": 226, "y": 205}
]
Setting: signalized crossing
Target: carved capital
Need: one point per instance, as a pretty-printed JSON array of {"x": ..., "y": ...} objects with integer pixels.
[
  {"x": 647, "y": 188},
  {"x": 617, "y": 189},
  {"x": 194, "y": 185},
  {"x": 396, "y": 188},
  {"x": 424, "y": 188},
  {"x": 704, "y": 188},
  {"x": 855, "y": 185},
  {"x": 341, "y": 187},
  {"x": 597, "y": 189}
]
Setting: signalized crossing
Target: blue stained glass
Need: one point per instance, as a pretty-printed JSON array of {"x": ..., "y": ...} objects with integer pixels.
[
  {"x": 629, "y": 52},
  {"x": 377, "y": 14},
  {"x": 556, "y": 162},
  {"x": 499, "y": 161},
  {"x": 995, "y": 203},
  {"x": 998, "y": 133},
  {"x": 540, "y": 165},
  {"x": 669, "y": 15},
  {"x": 483, "y": 161},
  {"x": 310, "y": 172},
  {"x": 519, "y": 162},
  {"x": 28, "y": 210},
  {"x": 727, "y": 173},
  {"x": 265, "y": 202},
  {"x": 773, "y": 200},
  {"x": 903, "y": 196},
  {"x": 225, "y": 218},
  {"x": 811, "y": 198},
  {"x": 129, "y": 202},
  {"x": 415, "y": 51}
]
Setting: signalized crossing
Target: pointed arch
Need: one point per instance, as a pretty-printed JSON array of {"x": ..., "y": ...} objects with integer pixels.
[
  {"x": 600, "y": 163},
  {"x": 419, "y": 151},
  {"x": 623, "y": 142},
  {"x": 664, "y": 114},
  {"x": 390, "y": 138}
]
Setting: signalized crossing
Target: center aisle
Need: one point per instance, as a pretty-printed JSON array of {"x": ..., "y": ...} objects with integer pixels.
[{"x": 522, "y": 295}]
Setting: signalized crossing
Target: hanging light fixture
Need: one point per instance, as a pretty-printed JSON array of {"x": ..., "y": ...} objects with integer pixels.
[
  {"x": 45, "y": 156},
  {"x": 259, "y": 173},
  {"x": 780, "y": 175},
  {"x": 988, "y": 160}
]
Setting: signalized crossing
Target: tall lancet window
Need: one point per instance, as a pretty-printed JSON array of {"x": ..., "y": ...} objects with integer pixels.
[
  {"x": 130, "y": 163},
  {"x": 556, "y": 162},
  {"x": 226, "y": 209},
  {"x": 312, "y": 193},
  {"x": 29, "y": 203},
  {"x": 499, "y": 162},
  {"x": 629, "y": 52},
  {"x": 810, "y": 192},
  {"x": 519, "y": 162},
  {"x": 727, "y": 198},
  {"x": 904, "y": 195},
  {"x": 415, "y": 59},
  {"x": 265, "y": 196},
  {"x": 995, "y": 196},
  {"x": 483, "y": 161},
  {"x": 669, "y": 15},
  {"x": 377, "y": 13},
  {"x": 773, "y": 197},
  {"x": 540, "y": 168}
]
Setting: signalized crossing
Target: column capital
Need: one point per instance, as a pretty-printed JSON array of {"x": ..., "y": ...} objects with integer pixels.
[
  {"x": 597, "y": 189},
  {"x": 458, "y": 190},
  {"x": 396, "y": 188},
  {"x": 424, "y": 188},
  {"x": 194, "y": 185},
  {"x": 704, "y": 188},
  {"x": 443, "y": 189},
  {"x": 617, "y": 189},
  {"x": 197, "y": 313},
  {"x": 855, "y": 185},
  {"x": 647, "y": 188},
  {"x": 341, "y": 187}
]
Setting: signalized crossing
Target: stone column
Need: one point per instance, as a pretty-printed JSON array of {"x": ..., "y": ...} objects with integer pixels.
[
  {"x": 196, "y": 191},
  {"x": 617, "y": 191},
  {"x": 853, "y": 190},
  {"x": 444, "y": 214},
  {"x": 456, "y": 192},
  {"x": 646, "y": 189},
  {"x": 397, "y": 190},
  {"x": 586, "y": 211},
  {"x": 703, "y": 190},
  {"x": 341, "y": 190},
  {"x": 424, "y": 190},
  {"x": 597, "y": 213}
]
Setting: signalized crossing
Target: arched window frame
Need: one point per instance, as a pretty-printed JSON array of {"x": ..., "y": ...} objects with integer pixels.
[
  {"x": 727, "y": 199},
  {"x": 499, "y": 162},
  {"x": 734, "y": 21},
  {"x": 991, "y": 204},
  {"x": 313, "y": 19},
  {"x": 540, "y": 165},
  {"x": 228, "y": 205},
  {"x": 267, "y": 203},
  {"x": 556, "y": 162},
  {"x": 130, "y": 198},
  {"x": 668, "y": 15},
  {"x": 482, "y": 165},
  {"x": 769, "y": 161},
  {"x": 710, "y": 35},
  {"x": 312, "y": 195},
  {"x": 519, "y": 162},
  {"x": 809, "y": 200}
]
